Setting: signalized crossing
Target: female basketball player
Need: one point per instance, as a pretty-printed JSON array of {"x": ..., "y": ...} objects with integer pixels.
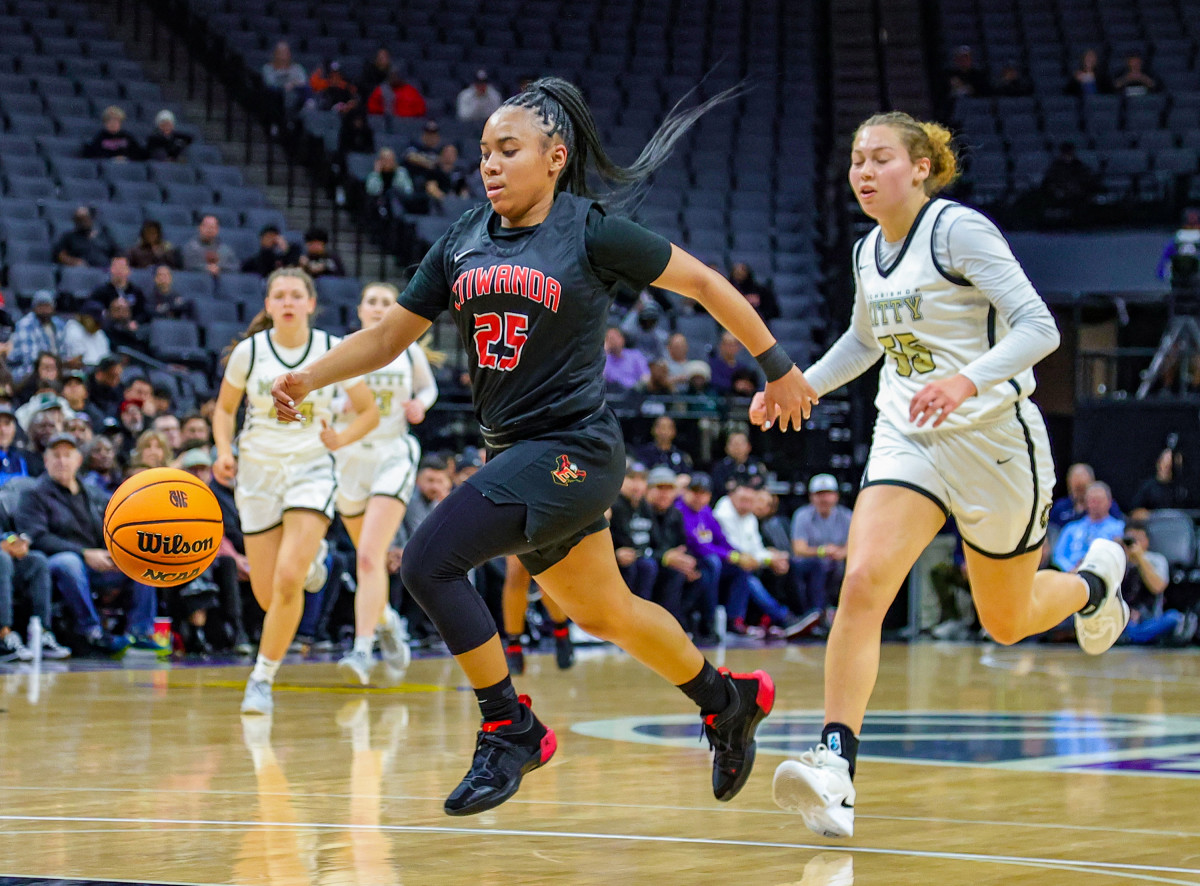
[
  {"x": 941, "y": 298},
  {"x": 375, "y": 479},
  {"x": 514, "y": 600},
  {"x": 284, "y": 472},
  {"x": 528, "y": 281}
]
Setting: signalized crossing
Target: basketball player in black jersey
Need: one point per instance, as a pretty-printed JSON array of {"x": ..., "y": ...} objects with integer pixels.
[{"x": 528, "y": 280}]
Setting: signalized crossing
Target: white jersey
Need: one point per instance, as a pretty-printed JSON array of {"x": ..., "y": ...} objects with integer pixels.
[
  {"x": 253, "y": 366},
  {"x": 408, "y": 377},
  {"x": 939, "y": 304}
]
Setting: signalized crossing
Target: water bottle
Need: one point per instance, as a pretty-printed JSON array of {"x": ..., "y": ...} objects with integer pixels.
[
  {"x": 719, "y": 623},
  {"x": 35, "y": 638}
]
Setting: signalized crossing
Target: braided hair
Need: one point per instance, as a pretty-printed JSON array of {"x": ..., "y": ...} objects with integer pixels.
[{"x": 560, "y": 109}]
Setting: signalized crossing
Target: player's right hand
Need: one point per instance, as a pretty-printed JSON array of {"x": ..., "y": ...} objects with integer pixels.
[
  {"x": 288, "y": 391},
  {"x": 225, "y": 469}
]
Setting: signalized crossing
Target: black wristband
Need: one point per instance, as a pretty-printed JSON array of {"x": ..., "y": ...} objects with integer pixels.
[{"x": 774, "y": 362}]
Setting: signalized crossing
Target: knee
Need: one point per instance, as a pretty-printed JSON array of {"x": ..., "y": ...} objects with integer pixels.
[
  {"x": 862, "y": 594},
  {"x": 289, "y": 579},
  {"x": 1004, "y": 630},
  {"x": 369, "y": 563},
  {"x": 67, "y": 564},
  {"x": 414, "y": 577}
]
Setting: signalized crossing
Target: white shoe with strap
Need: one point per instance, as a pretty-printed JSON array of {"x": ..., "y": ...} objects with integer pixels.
[
  {"x": 818, "y": 786},
  {"x": 1098, "y": 631}
]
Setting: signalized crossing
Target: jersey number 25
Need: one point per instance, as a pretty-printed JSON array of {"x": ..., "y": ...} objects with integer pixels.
[
  {"x": 500, "y": 340},
  {"x": 910, "y": 354}
]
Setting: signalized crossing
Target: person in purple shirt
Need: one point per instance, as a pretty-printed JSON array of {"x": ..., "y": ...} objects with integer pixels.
[
  {"x": 624, "y": 367},
  {"x": 731, "y": 373}
]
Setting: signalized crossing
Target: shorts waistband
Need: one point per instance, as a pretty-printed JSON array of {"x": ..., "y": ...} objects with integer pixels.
[{"x": 502, "y": 438}]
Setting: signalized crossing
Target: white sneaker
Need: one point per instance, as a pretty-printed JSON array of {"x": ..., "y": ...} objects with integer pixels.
[
  {"x": 52, "y": 649},
  {"x": 1097, "y": 632},
  {"x": 393, "y": 640},
  {"x": 318, "y": 571},
  {"x": 12, "y": 648},
  {"x": 357, "y": 665},
  {"x": 257, "y": 699},
  {"x": 818, "y": 786}
]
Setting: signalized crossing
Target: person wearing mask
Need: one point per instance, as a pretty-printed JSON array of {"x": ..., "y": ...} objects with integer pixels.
[{"x": 85, "y": 244}]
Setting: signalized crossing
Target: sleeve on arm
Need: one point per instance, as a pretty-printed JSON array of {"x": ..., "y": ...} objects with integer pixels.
[
  {"x": 237, "y": 370},
  {"x": 425, "y": 389},
  {"x": 623, "y": 251},
  {"x": 428, "y": 293},
  {"x": 855, "y": 351},
  {"x": 978, "y": 251}
]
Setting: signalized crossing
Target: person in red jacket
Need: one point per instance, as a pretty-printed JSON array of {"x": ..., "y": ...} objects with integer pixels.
[{"x": 396, "y": 97}]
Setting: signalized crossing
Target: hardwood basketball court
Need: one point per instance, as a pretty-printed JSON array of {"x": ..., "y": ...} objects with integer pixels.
[{"x": 981, "y": 765}]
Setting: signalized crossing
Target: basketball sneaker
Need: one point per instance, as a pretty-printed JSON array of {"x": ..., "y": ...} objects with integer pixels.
[
  {"x": 1098, "y": 631},
  {"x": 257, "y": 699},
  {"x": 318, "y": 570},
  {"x": 357, "y": 665},
  {"x": 393, "y": 640},
  {"x": 730, "y": 733},
  {"x": 564, "y": 649},
  {"x": 514, "y": 653},
  {"x": 12, "y": 648},
  {"x": 504, "y": 752},
  {"x": 52, "y": 650},
  {"x": 818, "y": 786}
]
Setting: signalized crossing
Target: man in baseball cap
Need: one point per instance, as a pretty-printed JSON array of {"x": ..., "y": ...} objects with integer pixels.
[{"x": 819, "y": 533}]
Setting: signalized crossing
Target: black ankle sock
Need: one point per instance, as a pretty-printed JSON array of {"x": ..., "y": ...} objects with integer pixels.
[
  {"x": 841, "y": 740},
  {"x": 499, "y": 702},
  {"x": 561, "y": 628},
  {"x": 708, "y": 689},
  {"x": 512, "y": 640},
  {"x": 1096, "y": 592}
]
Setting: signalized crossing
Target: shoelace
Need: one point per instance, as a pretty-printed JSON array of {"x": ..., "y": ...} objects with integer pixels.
[
  {"x": 818, "y": 756},
  {"x": 489, "y": 748}
]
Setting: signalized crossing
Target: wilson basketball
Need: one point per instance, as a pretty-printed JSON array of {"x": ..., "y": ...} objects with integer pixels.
[{"x": 163, "y": 527}]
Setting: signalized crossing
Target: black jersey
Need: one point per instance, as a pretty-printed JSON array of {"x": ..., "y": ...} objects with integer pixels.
[{"x": 531, "y": 306}]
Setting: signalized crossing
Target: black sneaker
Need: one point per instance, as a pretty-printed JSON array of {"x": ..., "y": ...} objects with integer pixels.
[
  {"x": 564, "y": 649},
  {"x": 515, "y": 654},
  {"x": 730, "y": 733},
  {"x": 503, "y": 753}
]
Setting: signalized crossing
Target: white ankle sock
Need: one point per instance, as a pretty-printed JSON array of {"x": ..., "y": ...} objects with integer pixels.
[
  {"x": 364, "y": 644},
  {"x": 264, "y": 669}
]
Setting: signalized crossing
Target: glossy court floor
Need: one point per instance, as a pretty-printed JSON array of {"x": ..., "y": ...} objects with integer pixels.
[{"x": 981, "y": 766}]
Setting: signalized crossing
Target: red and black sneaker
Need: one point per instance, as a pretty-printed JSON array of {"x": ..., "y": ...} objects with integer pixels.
[
  {"x": 504, "y": 752},
  {"x": 564, "y": 649},
  {"x": 730, "y": 733},
  {"x": 514, "y": 653}
]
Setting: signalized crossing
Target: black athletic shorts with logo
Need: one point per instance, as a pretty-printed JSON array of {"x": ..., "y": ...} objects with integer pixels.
[{"x": 566, "y": 478}]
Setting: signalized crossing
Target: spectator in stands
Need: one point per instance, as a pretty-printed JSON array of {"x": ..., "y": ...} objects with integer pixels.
[
  {"x": 24, "y": 573},
  {"x": 707, "y": 543},
  {"x": 677, "y": 359},
  {"x": 79, "y": 426},
  {"x": 206, "y": 252},
  {"x": 140, "y": 391},
  {"x": 100, "y": 468},
  {"x": 623, "y": 366},
  {"x": 318, "y": 259},
  {"x": 151, "y": 249},
  {"x": 732, "y": 373},
  {"x": 737, "y": 467},
  {"x": 167, "y": 142},
  {"x": 1164, "y": 489},
  {"x": 331, "y": 90},
  {"x": 120, "y": 286},
  {"x": 421, "y": 157},
  {"x": 449, "y": 177},
  {"x": 396, "y": 97},
  {"x": 963, "y": 77},
  {"x": 45, "y": 376},
  {"x": 668, "y": 541},
  {"x": 661, "y": 450},
  {"x": 819, "y": 534},
  {"x": 389, "y": 187},
  {"x": 1096, "y": 523},
  {"x": 85, "y": 334},
  {"x": 164, "y": 401},
  {"x": 1069, "y": 186},
  {"x": 85, "y": 244},
  {"x": 355, "y": 135},
  {"x": 46, "y": 403},
  {"x": 789, "y": 587},
  {"x": 1073, "y": 505},
  {"x": 478, "y": 101},
  {"x": 75, "y": 392},
  {"x": 759, "y": 293},
  {"x": 41, "y": 331},
  {"x": 631, "y": 525},
  {"x": 375, "y": 71},
  {"x": 1089, "y": 78},
  {"x": 15, "y": 460},
  {"x": 1147, "y": 574},
  {"x": 113, "y": 141},
  {"x": 167, "y": 424},
  {"x": 195, "y": 428},
  {"x": 285, "y": 77},
  {"x": 274, "y": 252},
  {"x": 1012, "y": 82},
  {"x": 105, "y": 390},
  {"x": 122, "y": 329},
  {"x": 1180, "y": 260},
  {"x": 165, "y": 302},
  {"x": 151, "y": 451},
  {"x": 659, "y": 380},
  {"x": 643, "y": 330},
  {"x": 1134, "y": 79}
]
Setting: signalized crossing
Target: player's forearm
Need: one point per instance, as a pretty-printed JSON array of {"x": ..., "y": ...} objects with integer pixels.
[
  {"x": 222, "y": 432},
  {"x": 367, "y": 350},
  {"x": 363, "y": 424},
  {"x": 730, "y": 308}
]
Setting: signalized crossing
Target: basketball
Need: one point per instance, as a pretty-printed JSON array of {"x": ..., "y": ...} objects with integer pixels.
[{"x": 163, "y": 527}]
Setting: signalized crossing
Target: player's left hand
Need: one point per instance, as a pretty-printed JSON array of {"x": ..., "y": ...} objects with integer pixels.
[
  {"x": 329, "y": 436},
  {"x": 414, "y": 411},
  {"x": 940, "y": 398},
  {"x": 288, "y": 391},
  {"x": 787, "y": 399}
]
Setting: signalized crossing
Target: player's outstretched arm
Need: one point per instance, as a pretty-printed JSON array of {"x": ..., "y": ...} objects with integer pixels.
[{"x": 357, "y": 354}]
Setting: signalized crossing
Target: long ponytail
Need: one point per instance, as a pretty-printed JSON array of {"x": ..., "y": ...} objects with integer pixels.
[
  {"x": 262, "y": 320},
  {"x": 564, "y": 112}
]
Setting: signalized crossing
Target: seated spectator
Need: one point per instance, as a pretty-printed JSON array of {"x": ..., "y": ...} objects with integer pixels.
[
  {"x": 113, "y": 141},
  {"x": 42, "y": 428},
  {"x": 206, "y": 252},
  {"x": 85, "y": 244},
  {"x": 1096, "y": 523},
  {"x": 152, "y": 250},
  {"x": 318, "y": 259},
  {"x": 1147, "y": 574},
  {"x": 732, "y": 371},
  {"x": 283, "y": 76},
  {"x": 668, "y": 542},
  {"x": 41, "y": 331},
  {"x": 274, "y": 252},
  {"x": 819, "y": 534},
  {"x": 737, "y": 467},
  {"x": 1069, "y": 184},
  {"x": 677, "y": 359},
  {"x": 421, "y": 156},
  {"x": 120, "y": 286},
  {"x": 1012, "y": 82},
  {"x": 331, "y": 90},
  {"x": 167, "y": 424},
  {"x": 355, "y": 135},
  {"x": 45, "y": 404},
  {"x": 121, "y": 327},
  {"x": 63, "y": 518},
  {"x": 46, "y": 375},
  {"x": 195, "y": 429},
  {"x": 1180, "y": 260},
  {"x": 75, "y": 392},
  {"x": 140, "y": 391},
  {"x": 963, "y": 77},
  {"x": 759, "y": 294},
  {"x": 1073, "y": 505},
  {"x": 151, "y": 451},
  {"x": 396, "y": 97},
  {"x": 165, "y": 302},
  {"x": 163, "y": 400},
  {"x": 15, "y": 460},
  {"x": 631, "y": 533},
  {"x": 24, "y": 574},
  {"x": 167, "y": 142},
  {"x": 85, "y": 334},
  {"x": 624, "y": 367},
  {"x": 708, "y": 545},
  {"x": 433, "y": 485},
  {"x": 449, "y": 177},
  {"x": 375, "y": 71},
  {"x": 661, "y": 450},
  {"x": 79, "y": 426},
  {"x": 643, "y": 330},
  {"x": 478, "y": 101},
  {"x": 1089, "y": 78},
  {"x": 659, "y": 381},
  {"x": 100, "y": 467},
  {"x": 1134, "y": 79},
  {"x": 699, "y": 379},
  {"x": 105, "y": 391},
  {"x": 1164, "y": 489},
  {"x": 390, "y": 193}
]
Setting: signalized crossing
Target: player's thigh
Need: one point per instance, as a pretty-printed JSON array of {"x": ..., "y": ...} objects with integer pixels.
[
  {"x": 302, "y": 532},
  {"x": 1001, "y": 587},
  {"x": 587, "y": 584},
  {"x": 262, "y": 550}
]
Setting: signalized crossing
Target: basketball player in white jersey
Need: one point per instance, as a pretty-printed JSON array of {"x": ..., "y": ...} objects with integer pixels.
[
  {"x": 375, "y": 479},
  {"x": 284, "y": 471},
  {"x": 941, "y": 298}
]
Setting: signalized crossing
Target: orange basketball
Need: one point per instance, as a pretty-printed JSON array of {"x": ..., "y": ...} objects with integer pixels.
[{"x": 163, "y": 527}]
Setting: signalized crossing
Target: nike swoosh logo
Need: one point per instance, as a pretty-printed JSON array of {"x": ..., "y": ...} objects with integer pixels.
[
  {"x": 460, "y": 256},
  {"x": 1006, "y": 461}
]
